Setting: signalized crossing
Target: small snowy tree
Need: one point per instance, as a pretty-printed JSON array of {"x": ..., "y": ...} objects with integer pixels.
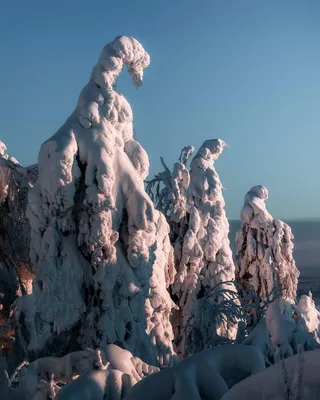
[
  {"x": 310, "y": 315},
  {"x": 264, "y": 250},
  {"x": 101, "y": 251},
  {"x": 203, "y": 287}
]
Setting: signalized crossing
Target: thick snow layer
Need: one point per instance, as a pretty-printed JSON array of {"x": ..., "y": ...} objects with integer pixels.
[
  {"x": 206, "y": 375},
  {"x": 295, "y": 378},
  {"x": 101, "y": 252},
  {"x": 264, "y": 250},
  {"x": 118, "y": 373},
  {"x": 194, "y": 204}
]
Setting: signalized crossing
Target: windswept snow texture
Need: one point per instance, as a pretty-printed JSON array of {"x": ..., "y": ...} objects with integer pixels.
[
  {"x": 194, "y": 204},
  {"x": 101, "y": 251},
  {"x": 264, "y": 250}
]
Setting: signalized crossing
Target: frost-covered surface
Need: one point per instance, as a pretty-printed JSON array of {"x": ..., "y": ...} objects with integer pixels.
[
  {"x": 194, "y": 204},
  {"x": 101, "y": 252},
  {"x": 206, "y": 375},
  {"x": 310, "y": 315},
  {"x": 264, "y": 249},
  {"x": 298, "y": 378}
]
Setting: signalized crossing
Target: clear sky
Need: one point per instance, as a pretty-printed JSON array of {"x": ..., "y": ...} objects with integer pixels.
[{"x": 247, "y": 71}]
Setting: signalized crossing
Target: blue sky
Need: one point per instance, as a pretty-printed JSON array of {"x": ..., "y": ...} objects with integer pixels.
[{"x": 247, "y": 71}]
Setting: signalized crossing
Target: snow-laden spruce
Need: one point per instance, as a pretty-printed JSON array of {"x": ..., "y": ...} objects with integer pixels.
[
  {"x": 310, "y": 315},
  {"x": 101, "y": 251},
  {"x": 264, "y": 250},
  {"x": 15, "y": 269},
  {"x": 194, "y": 204}
]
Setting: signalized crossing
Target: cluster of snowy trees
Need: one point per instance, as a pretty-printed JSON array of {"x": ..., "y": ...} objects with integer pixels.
[{"x": 116, "y": 288}]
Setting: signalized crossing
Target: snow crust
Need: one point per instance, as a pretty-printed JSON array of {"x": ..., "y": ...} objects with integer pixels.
[{"x": 101, "y": 252}]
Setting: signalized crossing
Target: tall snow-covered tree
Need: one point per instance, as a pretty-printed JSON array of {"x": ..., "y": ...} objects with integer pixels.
[
  {"x": 264, "y": 250},
  {"x": 203, "y": 287},
  {"x": 102, "y": 254}
]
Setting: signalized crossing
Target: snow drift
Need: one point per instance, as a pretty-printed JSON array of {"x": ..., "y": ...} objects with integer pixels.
[{"x": 206, "y": 375}]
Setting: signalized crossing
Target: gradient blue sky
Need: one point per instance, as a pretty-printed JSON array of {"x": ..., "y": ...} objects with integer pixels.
[{"x": 247, "y": 71}]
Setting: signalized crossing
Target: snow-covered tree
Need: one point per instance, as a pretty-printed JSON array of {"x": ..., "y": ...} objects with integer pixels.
[
  {"x": 15, "y": 266},
  {"x": 310, "y": 315},
  {"x": 203, "y": 287},
  {"x": 264, "y": 250},
  {"x": 101, "y": 251}
]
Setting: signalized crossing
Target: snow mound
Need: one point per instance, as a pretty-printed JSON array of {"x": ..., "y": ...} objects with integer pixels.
[{"x": 208, "y": 375}]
